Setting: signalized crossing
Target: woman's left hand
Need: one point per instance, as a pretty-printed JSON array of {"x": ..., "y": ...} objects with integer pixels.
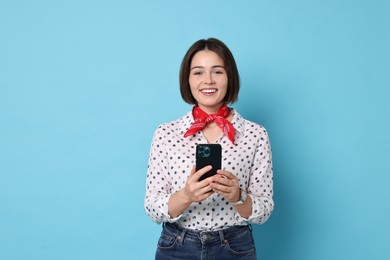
[{"x": 226, "y": 184}]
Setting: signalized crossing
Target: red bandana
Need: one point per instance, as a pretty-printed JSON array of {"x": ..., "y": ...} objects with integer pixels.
[{"x": 202, "y": 119}]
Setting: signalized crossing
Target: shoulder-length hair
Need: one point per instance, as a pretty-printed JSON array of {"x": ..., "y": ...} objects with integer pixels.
[{"x": 223, "y": 51}]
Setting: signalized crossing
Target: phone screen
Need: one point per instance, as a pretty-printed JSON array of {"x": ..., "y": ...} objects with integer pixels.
[{"x": 208, "y": 154}]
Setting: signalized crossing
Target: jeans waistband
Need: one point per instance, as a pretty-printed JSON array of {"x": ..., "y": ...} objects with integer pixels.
[{"x": 204, "y": 236}]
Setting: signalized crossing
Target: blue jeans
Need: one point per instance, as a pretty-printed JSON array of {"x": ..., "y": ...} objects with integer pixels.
[{"x": 180, "y": 243}]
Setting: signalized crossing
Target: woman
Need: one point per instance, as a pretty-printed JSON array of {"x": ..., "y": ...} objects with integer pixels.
[{"x": 209, "y": 219}]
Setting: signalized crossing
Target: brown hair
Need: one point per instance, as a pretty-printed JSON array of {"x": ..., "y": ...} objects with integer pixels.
[{"x": 223, "y": 51}]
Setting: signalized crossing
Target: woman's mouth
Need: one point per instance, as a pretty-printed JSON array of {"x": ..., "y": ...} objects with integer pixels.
[{"x": 208, "y": 90}]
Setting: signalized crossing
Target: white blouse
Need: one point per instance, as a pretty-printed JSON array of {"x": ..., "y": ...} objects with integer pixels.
[{"x": 172, "y": 157}]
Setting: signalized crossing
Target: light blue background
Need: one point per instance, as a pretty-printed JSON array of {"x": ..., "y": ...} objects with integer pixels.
[{"x": 84, "y": 84}]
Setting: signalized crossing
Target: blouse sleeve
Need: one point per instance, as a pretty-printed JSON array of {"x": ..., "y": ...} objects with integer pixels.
[
  {"x": 158, "y": 186},
  {"x": 260, "y": 187}
]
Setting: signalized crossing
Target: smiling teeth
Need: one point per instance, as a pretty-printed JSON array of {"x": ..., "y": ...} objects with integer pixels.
[{"x": 208, "y": 90}]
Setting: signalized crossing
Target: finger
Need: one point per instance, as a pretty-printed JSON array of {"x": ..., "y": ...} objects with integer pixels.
[
  {"x": 206, "y": 189},
  {"x": 191, "y": 174},
  {"x": 227, "y": 195},
  {"x": 227, "y": 192},
  {"x": 221, "y": 179},
  {"x": 201, "y": 186},
  {"x": 205, "y": 195},
  {"x": 202, "y": 171},
  {"x": 226, "y": 174},
  {"x": 192, "y": 170},
  {"x": 220, "y": 187}
]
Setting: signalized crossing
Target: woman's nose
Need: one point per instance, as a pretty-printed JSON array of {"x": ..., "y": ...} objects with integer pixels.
[{"x": 209, "y": 78}]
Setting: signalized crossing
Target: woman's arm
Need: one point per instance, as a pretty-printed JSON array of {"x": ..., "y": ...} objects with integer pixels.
[
  {"x": 193, "y": 191},
  {"x": 161, "y": 202},
  {"x": 158, "y": 186},
  {"x": 226, "y": 184},
  {"x": 258, "y": 204},
  {"x": 260, "y": 187}
]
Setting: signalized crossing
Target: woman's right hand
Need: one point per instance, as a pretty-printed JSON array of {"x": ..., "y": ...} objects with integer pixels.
[{"x": 195, "y": 190}]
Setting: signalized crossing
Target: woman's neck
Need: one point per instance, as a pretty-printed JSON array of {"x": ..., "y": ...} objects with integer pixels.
[{"x": 210, "y": 109}]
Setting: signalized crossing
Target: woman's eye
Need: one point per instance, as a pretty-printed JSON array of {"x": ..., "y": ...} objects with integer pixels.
[
  {"x": 197, "y": 73},
  {"x": 218, "y": 72}
]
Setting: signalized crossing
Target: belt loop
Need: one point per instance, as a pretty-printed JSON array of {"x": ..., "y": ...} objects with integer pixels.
[
  {"x": 221, "y": 237},
  {"x": 183, "y": 233}
]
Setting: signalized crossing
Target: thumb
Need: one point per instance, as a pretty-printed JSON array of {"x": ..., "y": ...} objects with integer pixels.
[{"x": 193, "y": 170}]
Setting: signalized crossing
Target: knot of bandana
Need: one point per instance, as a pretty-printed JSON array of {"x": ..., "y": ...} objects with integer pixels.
[{"x": 202, "y": 119}]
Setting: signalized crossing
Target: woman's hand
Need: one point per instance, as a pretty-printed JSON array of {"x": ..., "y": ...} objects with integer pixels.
[
  {"x": 226, "y": 184},
  {"x": 195, "y": 190}
]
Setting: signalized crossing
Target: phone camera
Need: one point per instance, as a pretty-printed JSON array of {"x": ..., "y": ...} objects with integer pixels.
[{"x": 204, "y": 151}]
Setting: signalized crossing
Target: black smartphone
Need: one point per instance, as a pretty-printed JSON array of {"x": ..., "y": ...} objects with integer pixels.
[{"x": 208, "y": 154}]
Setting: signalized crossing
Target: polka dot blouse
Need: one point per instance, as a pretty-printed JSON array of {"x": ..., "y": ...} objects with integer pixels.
[{"x": 172, "y": 157}]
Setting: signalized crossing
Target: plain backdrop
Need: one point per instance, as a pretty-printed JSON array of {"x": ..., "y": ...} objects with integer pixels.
[{"x": 84, "y": 84}]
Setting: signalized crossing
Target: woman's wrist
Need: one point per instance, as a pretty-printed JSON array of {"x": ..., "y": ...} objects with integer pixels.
[
  {"x": 241, "y": 198},
  {"x": 178, "y": 202},
  {"x": 183, "y": 196}
]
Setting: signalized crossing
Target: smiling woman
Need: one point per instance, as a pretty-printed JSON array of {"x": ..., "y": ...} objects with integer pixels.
[
  {"x": 208, "y": 80},
  {"x": 209, "y": 218},
  {"x": 224, "y": 60}
]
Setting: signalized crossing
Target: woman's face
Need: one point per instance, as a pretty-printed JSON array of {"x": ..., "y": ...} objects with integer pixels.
[{"x": 208, "y": 80}]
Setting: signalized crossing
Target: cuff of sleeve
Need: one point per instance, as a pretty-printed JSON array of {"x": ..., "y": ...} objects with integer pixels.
[
  {"x": 242, "y": 219},
  {"x": 164, "y": 210},
  {"x": 252, "y": 216},
  {"x": 261, "y": 207}
]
